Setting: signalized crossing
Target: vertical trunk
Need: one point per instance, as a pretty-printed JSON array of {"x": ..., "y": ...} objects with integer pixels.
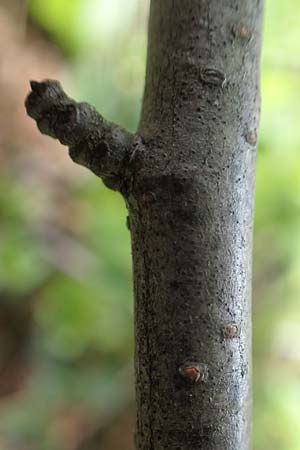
[
  {"x": 188, "y": 179},
  {"x": 191, "y": 213}
]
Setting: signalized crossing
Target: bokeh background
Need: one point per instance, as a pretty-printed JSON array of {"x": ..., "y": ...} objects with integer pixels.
[{"x": 66, "y": 331}]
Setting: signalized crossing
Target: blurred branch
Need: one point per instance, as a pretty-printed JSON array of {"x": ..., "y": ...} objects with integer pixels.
[{"x": 93, "y": 142}]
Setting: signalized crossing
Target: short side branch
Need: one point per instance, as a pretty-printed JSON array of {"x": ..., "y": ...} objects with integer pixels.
[{"x": 101, "y": 146}]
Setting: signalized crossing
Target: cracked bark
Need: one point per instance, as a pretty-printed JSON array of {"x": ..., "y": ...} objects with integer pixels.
[{"x": 188, "y": 180}]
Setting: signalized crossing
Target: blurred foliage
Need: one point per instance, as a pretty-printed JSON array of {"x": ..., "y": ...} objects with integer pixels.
[
  {"x": 276, "y": 315},
  {"x": 81, "y": 344}
]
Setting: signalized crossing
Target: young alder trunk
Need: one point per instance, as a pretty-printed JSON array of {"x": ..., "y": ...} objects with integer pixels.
[{"x": 187, "y": 177}]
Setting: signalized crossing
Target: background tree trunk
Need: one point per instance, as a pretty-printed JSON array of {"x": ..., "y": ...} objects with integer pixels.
[
  {"x": 191, "y": 213},
  {"x": 188, "y": 180}
]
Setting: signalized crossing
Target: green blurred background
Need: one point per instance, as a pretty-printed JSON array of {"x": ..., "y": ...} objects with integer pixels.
[{"x": 66, "y": 331}]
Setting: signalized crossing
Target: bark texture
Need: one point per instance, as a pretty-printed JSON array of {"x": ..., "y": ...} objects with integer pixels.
[
  {"x": 188, "y": 180},
  {"x": 193, "y": 207},
  {"x": 101, "y": 146}
]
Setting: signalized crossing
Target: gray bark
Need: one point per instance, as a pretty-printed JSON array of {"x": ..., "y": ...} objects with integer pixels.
[{"x": 188, "y": 180}]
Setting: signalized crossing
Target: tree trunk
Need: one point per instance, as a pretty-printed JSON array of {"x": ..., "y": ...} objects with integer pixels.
[
  {"x": 188, "y": 180},
  {"x": 191, "y": 214}
]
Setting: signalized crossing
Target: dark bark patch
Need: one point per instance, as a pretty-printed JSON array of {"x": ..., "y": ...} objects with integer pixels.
[
  {"x": 102, "y": 149},
  {"x": 128, "y": 223}
]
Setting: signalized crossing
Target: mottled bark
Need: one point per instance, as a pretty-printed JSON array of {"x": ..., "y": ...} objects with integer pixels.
[{"x": 188, "y": 180}]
